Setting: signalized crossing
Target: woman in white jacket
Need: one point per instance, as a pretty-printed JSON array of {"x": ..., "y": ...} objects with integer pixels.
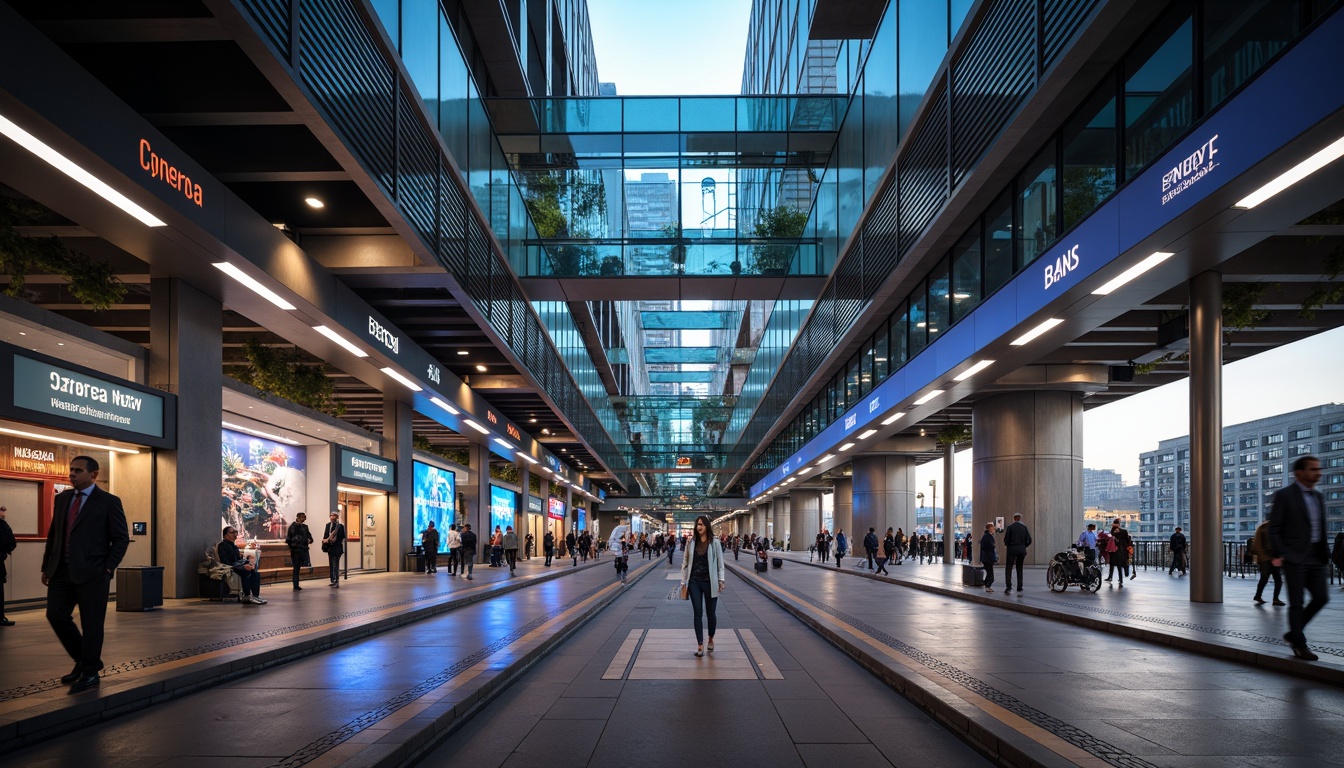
[{"x": 702, "y": 578}]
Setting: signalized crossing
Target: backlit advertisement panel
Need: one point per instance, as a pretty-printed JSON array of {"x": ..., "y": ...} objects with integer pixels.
[
  {"x": 503, "y": 507},
  {"x": 555, "y": 509},
  {"x": 435, "y": 494}
]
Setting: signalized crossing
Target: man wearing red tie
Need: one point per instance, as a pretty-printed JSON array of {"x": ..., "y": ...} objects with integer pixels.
[{"x": 85, "y": 543}]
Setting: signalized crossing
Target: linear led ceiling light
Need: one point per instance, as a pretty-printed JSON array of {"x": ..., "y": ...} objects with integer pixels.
[
  {"x": 1293, "y": 175},
  {"x": 445, "y": 406},
  {"x": 887, "y": 422},
  {"x": 477, "y": 427},
  {"x": 259, "y": 433},
  {"x": 1133, "y": 272},
  {"x": 526, "y": 457},
  {"x": 845, "y": 447},
  {"x": 1031, "y": 335},
  {"x": 257, "y": 288},
  {"x": 867, "y": 434},
  {"x": 65, "y": 440},
  {"x": 827, "y": 457},
  {"x": 360, "y": 491},
  {"x": 411, "y": 385},
  {"x": 339, "y": 339},
  {"x": 505, "y": 443},
  {"x": 974, "y": 369},
  {"x": 69, "y": 168},
  {"x": 928, "y": 397}
]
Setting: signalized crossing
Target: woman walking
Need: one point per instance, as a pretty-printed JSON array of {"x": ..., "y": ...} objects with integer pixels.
[
  {"x": 702, "y": 579},
  {"x": 841, "y": 547},
  {"x": 989, "y": 555},
  {"x": 1121, "y": 544},
  {"x": 888, "y": 552},
  {"x": 298, "y": 538}
]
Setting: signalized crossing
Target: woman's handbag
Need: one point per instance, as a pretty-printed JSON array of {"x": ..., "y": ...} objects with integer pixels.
[{"x": 685, "y": 592}]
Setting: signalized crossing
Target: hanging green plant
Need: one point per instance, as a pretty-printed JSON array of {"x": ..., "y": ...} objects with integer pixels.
[
  {"x": 1239, "y": 300},
  {"x": 284, "y": 374},
  {"x": 953, "y": 434},
  {"x": 534, "y": 484},
  {"x": 781, "y": 222},
  {"x": 91, "y": 282},
  {"x": 506, "y": 472}
]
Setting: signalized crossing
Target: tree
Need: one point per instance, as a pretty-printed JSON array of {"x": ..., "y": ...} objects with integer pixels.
[{"x": 781, "y": 222}]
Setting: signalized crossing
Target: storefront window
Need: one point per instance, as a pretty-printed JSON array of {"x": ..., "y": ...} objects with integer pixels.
[
  {"x": 1089, "y": 155},
  {"x": 1037, "y": 203},
  {"x": 966, "y": 274},
  {"x": 999, "y": 242}
]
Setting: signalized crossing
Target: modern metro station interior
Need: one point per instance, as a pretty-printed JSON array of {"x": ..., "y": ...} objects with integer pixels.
[{"x": 414, "y": 262}]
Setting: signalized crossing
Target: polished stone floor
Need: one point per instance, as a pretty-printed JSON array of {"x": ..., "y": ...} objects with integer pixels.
[{"x": 565, "y": 666}]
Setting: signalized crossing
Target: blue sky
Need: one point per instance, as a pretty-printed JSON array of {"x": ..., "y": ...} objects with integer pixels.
[{"x": 634, "y": 51}]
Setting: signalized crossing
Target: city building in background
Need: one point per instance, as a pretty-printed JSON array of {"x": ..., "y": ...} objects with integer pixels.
[{"x": 1258, "y": 458}]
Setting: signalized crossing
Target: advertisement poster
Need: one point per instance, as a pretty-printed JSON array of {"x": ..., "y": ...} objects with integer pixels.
[
  {"x": 435, "y": 494},
  {"x": 583, "y": 518},
  {"x": 263, "y": 485},
  {"x": 503, "y": 506},
  {"x": 555, "y": 509}
]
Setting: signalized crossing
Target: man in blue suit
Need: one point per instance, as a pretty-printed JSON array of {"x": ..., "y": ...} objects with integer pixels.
[
  {"x": 1298, "y": 540},
  {"x": 85, "y": 543}
]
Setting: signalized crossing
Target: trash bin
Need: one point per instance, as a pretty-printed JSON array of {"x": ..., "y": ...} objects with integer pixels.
[
  {"x": 139, "y": 588},
  {"x": 415, "y": 561}
]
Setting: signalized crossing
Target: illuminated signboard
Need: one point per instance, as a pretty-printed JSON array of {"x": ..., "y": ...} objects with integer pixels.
[
  {"x": 435, "y": 494},
  {"x": 359, "y": 468},
  {"x": 503, "y": 507},
  {"x": 555, "y": 509}
]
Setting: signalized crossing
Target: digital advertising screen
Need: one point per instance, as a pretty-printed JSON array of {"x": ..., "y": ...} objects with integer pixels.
[
  {"x": 435, "y": 498},
  {"x": 503, "y": 506},
  {"x": 583, "y": 518},
  {"x": 263, "y": 484},
  {"x": 555, "y": 509}
]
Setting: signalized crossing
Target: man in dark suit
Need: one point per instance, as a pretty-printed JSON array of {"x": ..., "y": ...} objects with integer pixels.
[
  {"x": 1016, "y": 539},
  {"x": 1298, "y": 540},
  {"x": 333, "y": 543},
  {"x": 85, "y": 543}
]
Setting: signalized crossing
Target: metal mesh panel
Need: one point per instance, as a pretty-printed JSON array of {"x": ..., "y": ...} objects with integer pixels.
[
  {"x": 922, "y": 173},
  {"x": 1059, "y": 20},
  {"x": 991, "y": 79},
  {"x": 272, "y": 17},
  {"x": 880, "y": 254},
  {"x": 417, "y": 177},
  {"x": 350, "y": 81},
  {"x": 452, "y": 250},
  {"x": 850, "y": 293}
]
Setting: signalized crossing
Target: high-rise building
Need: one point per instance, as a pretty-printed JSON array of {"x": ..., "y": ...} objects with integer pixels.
[{"x": 1257, "y": 460}]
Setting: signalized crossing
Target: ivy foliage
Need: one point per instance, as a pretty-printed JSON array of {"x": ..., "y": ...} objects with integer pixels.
[
  {"x": 91, "y": 282},
  {"x": 284, "y": 374}
]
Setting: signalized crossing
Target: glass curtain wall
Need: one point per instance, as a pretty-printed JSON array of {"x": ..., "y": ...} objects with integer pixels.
[{"x": 1076, "y": 171}]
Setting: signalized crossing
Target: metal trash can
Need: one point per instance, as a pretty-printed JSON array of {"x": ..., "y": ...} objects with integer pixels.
[
  {"x": 415, "y": 561},
  {"x": 139, "y": 587}
]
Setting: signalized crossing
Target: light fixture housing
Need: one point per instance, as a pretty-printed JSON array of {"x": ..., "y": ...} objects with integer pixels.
[
  {"x": 974, "y": 369},
  {"x": 867, "y": 434},
  {"x": 887, "y": 422},
  {"x": 1133, "y": 272},
  {"x": 314, "y": 202},
  {"x": 506, "y": 444},
  {"x": 477, "y": 427},
  {"x": 67, "y": 441},
  {"x": 1293, "y": 175},
  {"x": 67, "y": 166},
  {"x": 393, "y": 374},
  {"x": 527, "y": 458},
  {"x": 845, "y": 447},
  {"x": 259, "y": 433},
  {"x": 339, "y": 339},
  {"x": 255, "y": 285},
  {"x": 482, "y": 368},
  {"x": 929, "y": 397},
  {"x": 1031, "y": 335},
  {"x": 444, "y": 405}
]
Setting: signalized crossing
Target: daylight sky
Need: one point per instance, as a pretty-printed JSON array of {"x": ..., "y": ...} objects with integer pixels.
[{"x": 634, "y": 51}]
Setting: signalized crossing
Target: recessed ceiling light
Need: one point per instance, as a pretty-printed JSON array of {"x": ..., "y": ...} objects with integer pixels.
[
  {"x": 533, "y": 420},
  {"x": 313, "y": 202},
  {"x": 463, "y": 352},
  {"x": 60, "y": 343},
  {"x": 23, "y": 333},
  {"x": 481, "y": 368}
]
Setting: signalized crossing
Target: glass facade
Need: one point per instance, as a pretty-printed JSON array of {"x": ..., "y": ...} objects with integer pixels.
[{"x": 1095, "y": 151}]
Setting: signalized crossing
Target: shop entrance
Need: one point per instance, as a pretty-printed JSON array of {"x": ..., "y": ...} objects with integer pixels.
[{"x": 365, "y": 518}]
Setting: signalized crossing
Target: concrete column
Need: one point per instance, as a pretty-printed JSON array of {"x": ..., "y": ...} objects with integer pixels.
[
  {"x": 478, "y": 503},
  {"x": 949, "y": 499},
  {"x": 1029, "y": 460},
  {"x": 779, "y": 507},
  {"x": 804, "y": 518},
  {"x": 186, "y": 343},
  {"x": 883, "y": 495},
  {"x": 1206, "y": 437},
  {"x": 520, "y": 517},
  {"x": 844, "y": 507},
  {"x": 397, "y": 445}
]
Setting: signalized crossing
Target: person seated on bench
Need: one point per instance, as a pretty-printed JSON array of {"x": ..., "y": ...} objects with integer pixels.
[{"x": 243, "y": 566}]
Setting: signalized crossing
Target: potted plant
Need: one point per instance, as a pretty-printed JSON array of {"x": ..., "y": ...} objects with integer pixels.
[{"x": 778, "y": 223}]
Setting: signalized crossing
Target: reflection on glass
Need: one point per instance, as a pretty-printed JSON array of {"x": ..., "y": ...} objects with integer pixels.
[
  {"x": 966, "y": 274},
  {"x": 1089, "y": 155},
  {"x": 1037, "y": 204},
  {"x": 1158, "y": 88},
  {"x": 1240, "y": 37},
  {"x": 999, "y": 242}
]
